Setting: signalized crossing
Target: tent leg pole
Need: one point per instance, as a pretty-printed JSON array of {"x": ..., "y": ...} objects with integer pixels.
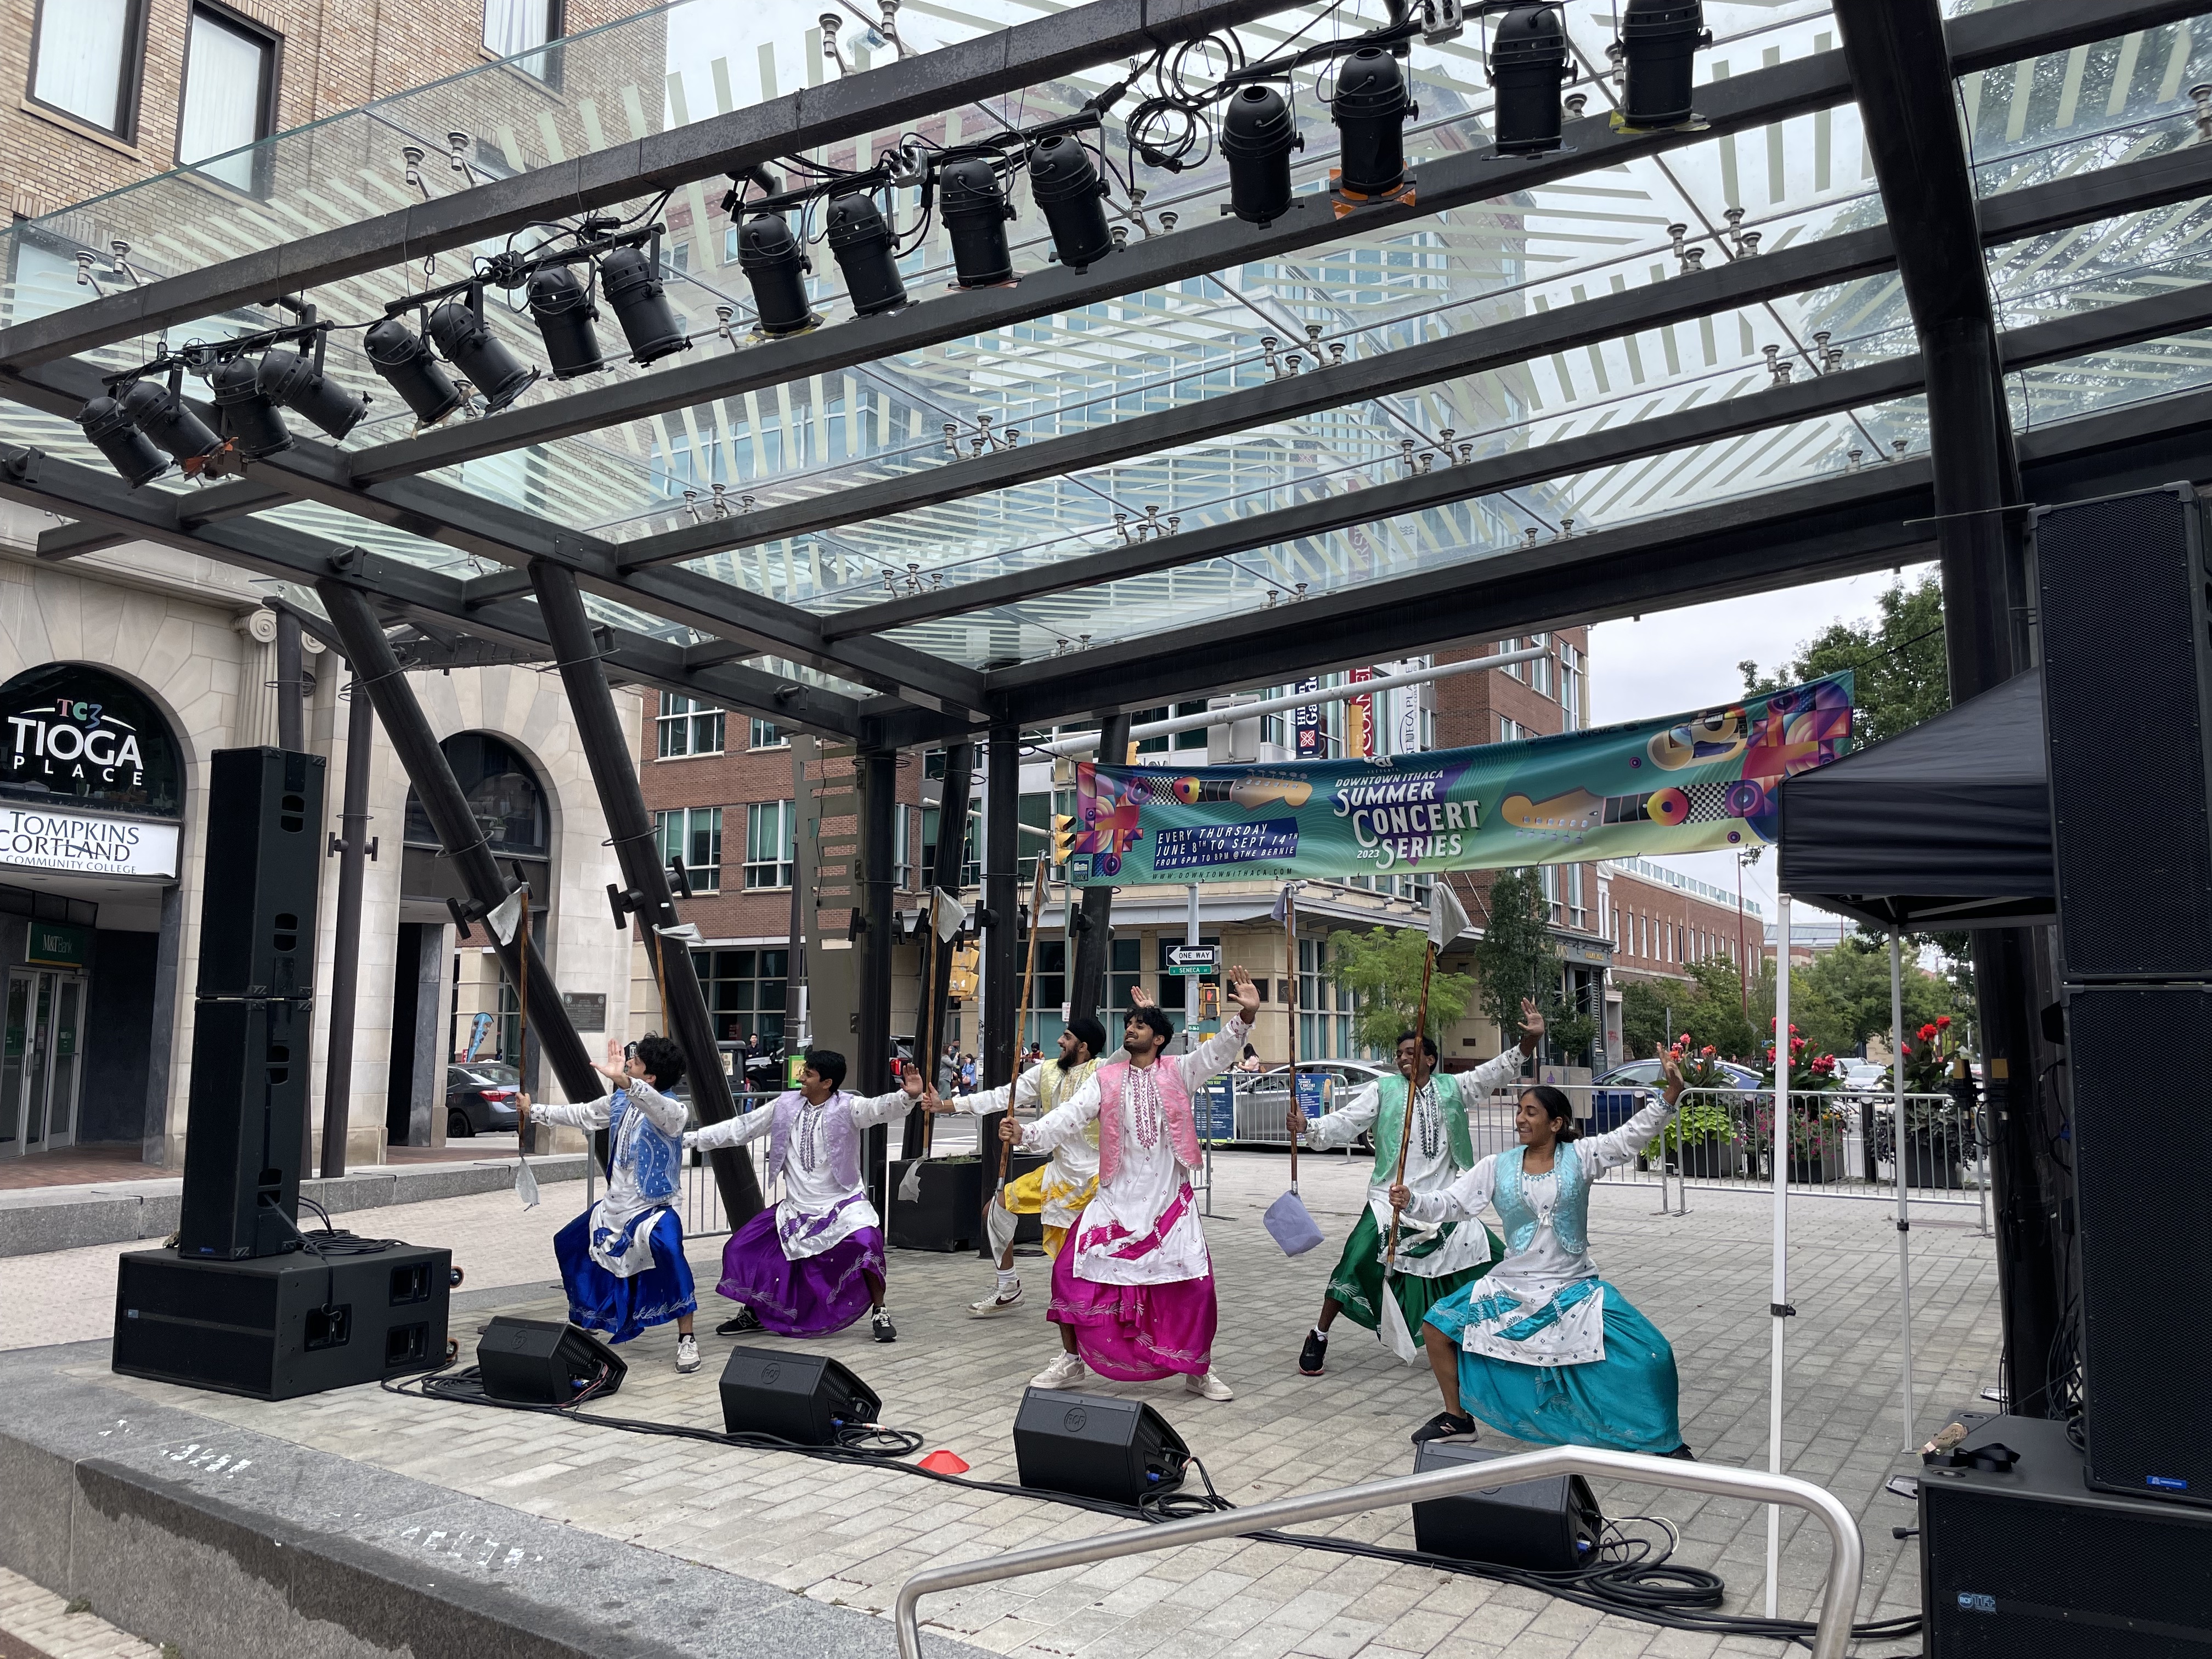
[
  {"x": 1780, "y": 1152},
  {"x": 1897, "y": 1148}
]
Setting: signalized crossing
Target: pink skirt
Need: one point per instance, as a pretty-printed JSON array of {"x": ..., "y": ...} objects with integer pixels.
[{"x": 1135, "y": 1333}]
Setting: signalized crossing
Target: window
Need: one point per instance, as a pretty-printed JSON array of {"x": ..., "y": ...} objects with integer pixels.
[
  {"x": 85, "y": 57},
  {"x": 1325, "y": 1008},
  {"x": 971, "y": 868},
  {"x": 230, "y": 85},
  {"x": 689, "y": 726},
  {"x": 1035, "y": 813},
  {"x": 771, "y": 846},
  {"x": 512, "y": 27},
  {"x": 1577, "y": 913},
  {"x": 694, "y": 834},
  {"x": 1194, "y": 739},
  {"x": 1570, "y": 687},
  {"x": 744, "y": 992},
  {"x": 1512, "y": 731},
  {"x": 1539, "y": 671},
  {"x": 905, "y": 875},
  {"x": 766, "y": 734}
]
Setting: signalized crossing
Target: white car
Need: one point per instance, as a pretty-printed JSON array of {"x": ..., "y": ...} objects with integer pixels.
[{"x": 1263, "y": 1098}]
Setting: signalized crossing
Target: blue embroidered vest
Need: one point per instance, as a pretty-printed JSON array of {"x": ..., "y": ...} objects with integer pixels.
[
  {"x": 656, "y": 1157},
  {"x": 1570, "y": 1217}
]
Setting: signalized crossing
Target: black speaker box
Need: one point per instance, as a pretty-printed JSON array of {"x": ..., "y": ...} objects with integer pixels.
[
  {"x": 804, "y": 1398},
  {"x": 279, "y": 1327},
  {"x": 1093, "y": 1446},
  {"x": 545, "y": 1362},
  {"x": 243, "y": 1118},
  {"x": 2126, "y": 577},
  {"x": 2027, "y": 1563},
  {"x": 264, "y": 857},
  {"x": 1550, "y": 1524},
  {"x": 2136, "y": 1054}
]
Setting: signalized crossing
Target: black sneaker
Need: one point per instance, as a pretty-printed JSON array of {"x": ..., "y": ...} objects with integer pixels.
[
  {"x": 884, "y": 1330},
  {"x": 1683, "y": 1453},
  {"x": 1313, "y": 1355},
  {"x": 745, "y": 1319},
  {"x": 1444, "y": 1426}
]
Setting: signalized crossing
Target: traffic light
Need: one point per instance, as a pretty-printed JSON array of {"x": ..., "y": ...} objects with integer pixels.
[
  {"x": 1063, "y": 837},
  {"x": 966, "y": 961}
]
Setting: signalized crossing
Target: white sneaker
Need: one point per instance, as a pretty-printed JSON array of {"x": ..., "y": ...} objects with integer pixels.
[
  {"x": 687, "y": 1352},
  {"x": 1064, "y": 1372},
  {"x": 1210, "y": 1385},
  {"x": 997, "y": 1301}
]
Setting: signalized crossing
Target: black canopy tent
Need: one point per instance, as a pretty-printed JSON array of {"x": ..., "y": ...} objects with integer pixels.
[{"x": 1945, "y": 826}]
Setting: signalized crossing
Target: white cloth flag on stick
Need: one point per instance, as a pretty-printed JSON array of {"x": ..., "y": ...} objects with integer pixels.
[
  {"x": 1447, "y": 919},
  {"x": 951, "y": 915},
  {"x": 506, "y": 916}
]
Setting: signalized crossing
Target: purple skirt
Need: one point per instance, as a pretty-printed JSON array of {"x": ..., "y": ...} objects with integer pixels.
[
  {"x": 1135, "y": 1333},
  {"x": 812, "y": 1296}
]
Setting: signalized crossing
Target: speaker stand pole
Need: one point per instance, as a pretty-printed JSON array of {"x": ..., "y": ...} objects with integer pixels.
[
  {"x": 1094, "y": 945},
  {"x": 648, "y": 897},
  {"x": 1002, "y": 1038},
  {"x": 377, "y": 671}
]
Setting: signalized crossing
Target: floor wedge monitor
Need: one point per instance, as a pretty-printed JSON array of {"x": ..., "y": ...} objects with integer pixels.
[
  {"x": 808, "y": 1399},
  {"x": 1093, "y": 1446}
]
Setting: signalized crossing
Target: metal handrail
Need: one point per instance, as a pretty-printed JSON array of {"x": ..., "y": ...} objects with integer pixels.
[{"x": 1846, "y": 1557}]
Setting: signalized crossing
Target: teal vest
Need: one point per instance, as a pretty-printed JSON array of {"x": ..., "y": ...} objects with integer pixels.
[
  {"x": 1390, "y": 1119},
  {"x": 1569, "y": 1218}
]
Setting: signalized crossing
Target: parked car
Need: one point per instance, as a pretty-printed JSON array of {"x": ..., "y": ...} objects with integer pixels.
[
  {"x": 480, "y": 1099},
  {"x": 1626, "y": 1090},
  {"x": 1263, "y": 1098},
  {"x": 1862, "y": 1076}
]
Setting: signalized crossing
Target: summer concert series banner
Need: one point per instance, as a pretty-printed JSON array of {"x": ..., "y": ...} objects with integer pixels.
[{"x": 1693, "y": 784}]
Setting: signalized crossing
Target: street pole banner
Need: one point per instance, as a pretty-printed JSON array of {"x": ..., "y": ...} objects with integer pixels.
[
  {"x": 1694, "y": 783},
  {"x": 1305, "y": 720}
]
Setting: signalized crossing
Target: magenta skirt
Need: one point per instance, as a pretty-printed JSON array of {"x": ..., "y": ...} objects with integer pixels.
[
  {"x": 1135, "y": 1333},
  {"x": 812, "y": 1296}
]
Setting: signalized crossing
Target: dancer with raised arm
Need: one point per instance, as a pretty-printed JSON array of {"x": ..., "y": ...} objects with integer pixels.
[
  {"x": 1542, "y": 1348},
  {"x": 810, "y": 1265},
  {"x": 1056, "y": 1190},
  {"x": 1132, "y": 1291},
  {"x": 1433, "y": 1262},
  {"x": 621, "y": 1260}
]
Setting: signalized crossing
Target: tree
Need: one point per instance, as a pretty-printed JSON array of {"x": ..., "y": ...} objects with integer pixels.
[
  {"x": 1843, "y": 998},
  {"x": 1382, "y": 969},
  {"x": 1516, "y": 958},
  {"x": 1708, "y": 1006},
  {"x": 1902, "y": 672}
]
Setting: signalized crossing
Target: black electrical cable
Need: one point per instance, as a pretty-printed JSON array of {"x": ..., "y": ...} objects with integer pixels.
[{"x": 1642, "y": 1586}]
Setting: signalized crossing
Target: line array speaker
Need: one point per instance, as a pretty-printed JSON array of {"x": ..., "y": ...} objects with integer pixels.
[{"x": 264, "y": 857}]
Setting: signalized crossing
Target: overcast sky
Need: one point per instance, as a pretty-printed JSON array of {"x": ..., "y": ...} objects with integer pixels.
[{"x": 1677, "y": 661}]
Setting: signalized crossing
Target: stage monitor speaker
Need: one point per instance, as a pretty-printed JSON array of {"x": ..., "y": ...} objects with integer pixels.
[
  {"x": 545, "y": 1362},
  {"x": 808, "y": 1399},
  {"x": 264, "y": 857},
  {"x": 2026, "y": 1562},
  {"x": 279, "y": 1327},
  {"x": 244, "y": 1114},
  {"x": 1093, "y": 1446},
  {"x": 2125, "y": 578},
  {"x": 2139, "y": 1130},
  {"x": 1551, "y": 1524}
]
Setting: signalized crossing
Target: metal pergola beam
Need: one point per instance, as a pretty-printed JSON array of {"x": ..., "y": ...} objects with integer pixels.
[{"x": 879, "y": 100}]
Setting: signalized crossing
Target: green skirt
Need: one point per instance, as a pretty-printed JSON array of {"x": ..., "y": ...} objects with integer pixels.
[{"x": 1357, "y": 1284}]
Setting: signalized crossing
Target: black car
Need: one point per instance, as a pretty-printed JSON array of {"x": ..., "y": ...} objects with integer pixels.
[{"x": 480, "y": 1098}]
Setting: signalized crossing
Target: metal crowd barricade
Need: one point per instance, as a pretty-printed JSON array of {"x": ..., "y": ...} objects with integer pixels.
[{"x": 701, "y": 1211}]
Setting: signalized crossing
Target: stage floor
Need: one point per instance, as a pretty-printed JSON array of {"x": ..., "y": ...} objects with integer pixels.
[{"x": 845, "y": 1540}]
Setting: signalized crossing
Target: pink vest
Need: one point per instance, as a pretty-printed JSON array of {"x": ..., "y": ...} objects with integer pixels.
[{"x": 1174, "y": 1105}]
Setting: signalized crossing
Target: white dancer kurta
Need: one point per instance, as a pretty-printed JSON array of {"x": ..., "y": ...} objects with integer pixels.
[
  {"x": 641, "y": 1174},
  {"x": 1065, "y": 1186},
  {"x": 817, "y": 1211}
]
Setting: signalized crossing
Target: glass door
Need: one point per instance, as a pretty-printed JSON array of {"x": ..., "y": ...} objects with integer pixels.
[
  {"x": 38, "y": 1070},
  {"x": 13, "y": 1055},
  {"x": 67, "y": 1060}
]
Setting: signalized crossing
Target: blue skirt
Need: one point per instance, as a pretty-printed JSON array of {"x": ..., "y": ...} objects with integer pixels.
[
  {"x": 1625, "y": 1401},
  {"x": 620, "y": 1308}
]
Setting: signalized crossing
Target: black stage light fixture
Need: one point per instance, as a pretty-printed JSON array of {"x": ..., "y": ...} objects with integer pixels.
[
  {"x": 466, "y": 339},
  {"x": 250, "y": 419},
  {"x": 1070, "y": 194},
  {"x": 561, "y": 304},
  {"x": 173, "y": 424},
  {"x": 976, "y": 212},
  {"x": 1257, "y": 137},
  {"x": 295, "y": 380},
  {"x": 1528, "y": 62},
  {"x": 404, "y": 358},
  {"x": 641, "y": 305},
  {"x": 1659, "y": 40},
  {"x": 1370, "y": 110},
  {"x": 773, "y": 263},
  {"x": 862, "y": 244},
  {"x": 108, "y": 425}
]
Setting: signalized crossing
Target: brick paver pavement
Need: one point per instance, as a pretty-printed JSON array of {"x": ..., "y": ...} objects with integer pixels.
[
  {"x": 850, "y": 1536},
  {"x": 44, "y": 1626}
]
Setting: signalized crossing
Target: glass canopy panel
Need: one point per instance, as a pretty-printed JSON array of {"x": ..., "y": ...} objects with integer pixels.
[
  {"x": 2049, "y": 117},
  {"x": 334, "y": 526}
]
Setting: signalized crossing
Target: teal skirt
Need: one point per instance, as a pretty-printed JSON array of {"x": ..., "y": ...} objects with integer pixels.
[{"x": 1625, "y": 1401}]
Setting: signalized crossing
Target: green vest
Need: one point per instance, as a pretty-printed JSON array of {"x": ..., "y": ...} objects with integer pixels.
[{"x": 1390, "y": 1120}]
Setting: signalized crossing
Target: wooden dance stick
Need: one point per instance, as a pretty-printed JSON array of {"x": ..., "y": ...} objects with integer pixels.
[
  {"x": 1021, "y": 1019},
  {"x": 1413, "y": 1093}
]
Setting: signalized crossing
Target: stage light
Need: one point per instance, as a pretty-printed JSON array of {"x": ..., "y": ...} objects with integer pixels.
[
  {"x": 1659, "y": 40},
  {"x": 1528, "y": 62},
  {"x": 975, "y": 211},
  {"x": 561, "y": 304},
  {"x": 1070, "y": 194},
  {"x": 862, "y": 244},
  {"x": 641, "y": 305},
  {"x": 107, "y": 425},
  {"x": 292, "y": 379},
  {"x": 1257, "y": 137},
  {"x": 1370, "y": 110},
  {"x": 469, "y": 344},
  {"x": 773, "y": 264},
  {"x": 173, "y": 424},
  {"x": 404, "y": 358},
  {"x": 250, "y": 420}
]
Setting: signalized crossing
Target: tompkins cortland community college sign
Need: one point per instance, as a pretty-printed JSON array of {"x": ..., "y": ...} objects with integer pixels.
[{"x": 90, "y": 775}]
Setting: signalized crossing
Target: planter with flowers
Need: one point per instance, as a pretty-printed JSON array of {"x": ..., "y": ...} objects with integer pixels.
[
  {"x": 1934, "y": 1128},
  {"x": 1705, "y": 1140},
  {"x": 1815, "y": 1124}
]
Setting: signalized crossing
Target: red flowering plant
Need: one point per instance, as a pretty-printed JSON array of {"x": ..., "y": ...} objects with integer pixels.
[
  {"x": 1708, "y": 1114},
  {"x": 1816, "y": 1128}
]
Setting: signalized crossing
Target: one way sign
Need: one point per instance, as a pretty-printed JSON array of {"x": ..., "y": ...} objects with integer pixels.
[{"x": 1193, "y": 956}]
